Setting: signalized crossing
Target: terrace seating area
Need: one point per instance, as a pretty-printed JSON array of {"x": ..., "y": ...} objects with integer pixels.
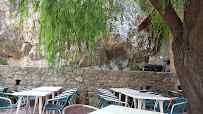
[{"x": 111, "y": 101}]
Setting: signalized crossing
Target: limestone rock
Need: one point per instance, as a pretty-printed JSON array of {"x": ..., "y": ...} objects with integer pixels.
[{"x": 126, "y": 47}]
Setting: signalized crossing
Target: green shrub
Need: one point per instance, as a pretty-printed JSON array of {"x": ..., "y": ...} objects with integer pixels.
[
  {"x": 3, "y": 62},
  {"x": 135, "y": 68}
]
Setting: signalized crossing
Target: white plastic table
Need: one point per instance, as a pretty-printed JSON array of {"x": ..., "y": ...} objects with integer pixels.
[
  {"x": 1, "y": 89},
  {"x": 119, "y": 90},
  {"x": 143, "y": 96},
  {"x": 113, "y": 109},
  {"x": 30, "y": 93},
  {"x": 53, "y": 90},
  {"x": 49, "y": 89}
]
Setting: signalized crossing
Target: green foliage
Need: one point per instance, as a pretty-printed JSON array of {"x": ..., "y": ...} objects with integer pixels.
[
  {"x": 3, "y": 62},
  {"x": 135, "y": 68},
  {"x": 68, "y": 24},
  {"x": 158, "y": 27}
]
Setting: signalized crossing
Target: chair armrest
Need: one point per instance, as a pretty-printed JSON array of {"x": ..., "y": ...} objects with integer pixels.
[
  {"x": 7, "y": 100},
  {"x": 117, "y": 101},
  {"x": 176, "y": 105},
  {"x": 57, "y": 97}
]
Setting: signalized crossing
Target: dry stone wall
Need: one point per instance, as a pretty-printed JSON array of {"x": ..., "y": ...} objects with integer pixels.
[{"x": 88, "y": 81}]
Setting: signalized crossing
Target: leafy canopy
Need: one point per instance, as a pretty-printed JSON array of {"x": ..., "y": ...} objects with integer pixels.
[{"x": 73, "y": 24}]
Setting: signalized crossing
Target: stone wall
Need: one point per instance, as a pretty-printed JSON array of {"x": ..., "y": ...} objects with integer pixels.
[{"x": 87, "y": 80}]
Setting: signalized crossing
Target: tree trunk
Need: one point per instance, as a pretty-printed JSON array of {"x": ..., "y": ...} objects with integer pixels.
[
  {"x": 188, "y": 53},
  {"x": 188, "y": 56}
]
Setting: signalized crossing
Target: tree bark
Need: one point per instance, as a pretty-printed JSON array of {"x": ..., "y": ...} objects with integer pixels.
[
  {"x": 188, "y": 52},
  {"x": 170, "y": 17}
]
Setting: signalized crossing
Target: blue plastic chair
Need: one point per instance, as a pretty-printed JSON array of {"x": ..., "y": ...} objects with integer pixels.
[
  {"x": 71, "y": 99},
  {"x": 148, "y": 90},
  {"x": 164, "y": 104},
  {"x": 5, "y": 105},
  {"x": 107, "y": 94},
  {"x": 178, "y": 107},
  {"x": 56, "y": 107},
  {"x": 106, "y": 101},
  {"x": 150, "y": 103},
  {"x": 5, "y": 89}
]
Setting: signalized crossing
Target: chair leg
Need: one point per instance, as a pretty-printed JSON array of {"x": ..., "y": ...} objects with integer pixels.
[
  {"x": 44, "y": 111},
  {"x": 59, "y": 111},
  {"x": 155, "y": 105},
  {"x": 74, "y": 101},
  {"x": 169, "y": 104},
  {"x": 8, "y": 111},
  {"x": 99, "y": 104},
  {"x": 132, "y": 103}
]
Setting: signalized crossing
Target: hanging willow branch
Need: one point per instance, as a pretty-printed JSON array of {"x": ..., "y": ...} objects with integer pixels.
[
  {"x": 158, "y": 25},
  {"x": 68, "y": 23}
]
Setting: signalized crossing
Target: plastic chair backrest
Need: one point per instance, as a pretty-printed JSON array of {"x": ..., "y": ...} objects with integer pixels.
[
  {"x": 3, "y": 102},
  {"x": 72, "y": 97},
  {"x": 164, "y": 103},
  {"x": 148, "y": 90},
  {"x": 24, "y": 88},
  {"x": 89, "y": 109},
  {"x": 67, "y": 100},
  {"x": 5, "y": 89},
  {"x": 104, "y": 102},
  {"x": 180, "y": 108},
  {"x": 105, "y": 92},
  {"x": 170, "y": 93},
  {"x": 74, "y": 109}
]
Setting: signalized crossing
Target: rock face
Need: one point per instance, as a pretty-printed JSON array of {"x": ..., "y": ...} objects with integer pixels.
[
  {"x": 126, "y": 47},
  {"x": 18, "y": 45}
]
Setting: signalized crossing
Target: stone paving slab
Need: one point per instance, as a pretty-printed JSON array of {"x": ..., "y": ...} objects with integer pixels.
[{"x": 22, "y": 111}]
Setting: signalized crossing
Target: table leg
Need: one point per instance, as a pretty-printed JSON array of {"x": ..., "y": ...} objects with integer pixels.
[
  {"x": 140, "y": 103},
  {"x": 126, "y": 100},
  {"x": 57, "y": 93},
  {"x": 53, "y": 97},
  {"x": 19, "y": 103},
  {"x": 28, "y": 104},
  {"x": 40, "y": 104},
  {"x": 161, "y": 106},
  {"x": 53, "y": 112},
  {"x": 119, "y": 95},
  {"x": 114, "y": 93},
  {"x": 144, "y": 105},
  {"x": 135, "y": 102},
  {"x": 36, "y": 100}
]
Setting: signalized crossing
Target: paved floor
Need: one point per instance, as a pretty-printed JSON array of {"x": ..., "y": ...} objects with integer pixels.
[{"x": 22, "y": 111}]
